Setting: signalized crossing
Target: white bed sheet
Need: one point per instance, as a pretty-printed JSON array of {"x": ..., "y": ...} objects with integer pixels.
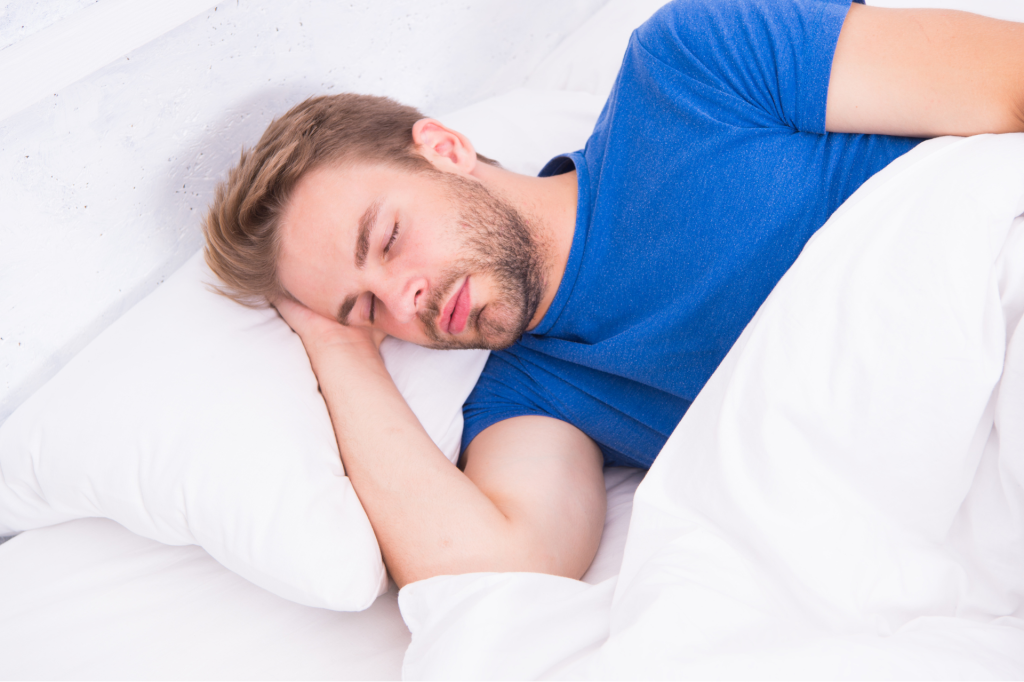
[{"x": 88, "y": 599}]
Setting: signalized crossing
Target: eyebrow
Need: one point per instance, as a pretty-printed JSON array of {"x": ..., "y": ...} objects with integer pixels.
[{"x": 366, "y": 223}]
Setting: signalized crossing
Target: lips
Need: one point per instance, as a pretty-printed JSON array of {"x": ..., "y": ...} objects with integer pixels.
[{"x": 456, "y": 311}]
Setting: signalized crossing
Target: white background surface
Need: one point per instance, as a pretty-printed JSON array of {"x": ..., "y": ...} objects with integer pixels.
[
  {"x": 103, "y": 182},
  {"x": 18, "y": 20}
]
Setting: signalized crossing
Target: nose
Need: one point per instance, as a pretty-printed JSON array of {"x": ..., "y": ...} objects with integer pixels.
[{"x": 405, "y": 297}]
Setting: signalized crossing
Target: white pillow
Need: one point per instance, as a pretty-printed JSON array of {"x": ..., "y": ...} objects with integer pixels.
[
  {"x": 589, "y": 59},
  {"x": 524, "y": 128},
  {"x": 193, "y": 420}
]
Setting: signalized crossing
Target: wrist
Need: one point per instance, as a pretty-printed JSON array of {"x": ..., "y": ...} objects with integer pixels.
[
  {"x": 355, "y": 344},
  {"x": 324, "y": 338}
]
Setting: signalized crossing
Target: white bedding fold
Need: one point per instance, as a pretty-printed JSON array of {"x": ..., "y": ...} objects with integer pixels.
[{"x": 844, "y": 498}]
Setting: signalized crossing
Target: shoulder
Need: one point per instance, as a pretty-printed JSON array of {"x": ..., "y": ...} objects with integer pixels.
[
  {"x": 708, "y": 21},
  {"x": 774, "y": 55}
]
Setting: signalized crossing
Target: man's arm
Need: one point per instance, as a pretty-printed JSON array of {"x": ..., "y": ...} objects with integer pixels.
[
  {"x": 926, "y": 72},
  {"x": 532, "y": 496}
]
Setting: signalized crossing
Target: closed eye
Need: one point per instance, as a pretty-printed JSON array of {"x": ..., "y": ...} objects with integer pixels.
[
  {"x": 387, "y": 248},
  {"x": 391, "y": 241}
]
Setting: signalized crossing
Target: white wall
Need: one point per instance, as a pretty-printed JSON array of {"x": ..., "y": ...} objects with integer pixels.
[
  {"x": 21, "y": 18},
  {"x": 103, "y": 181}
]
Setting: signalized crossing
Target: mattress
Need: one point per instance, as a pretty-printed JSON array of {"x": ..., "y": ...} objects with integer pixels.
[{"x": 88, "y": 599}]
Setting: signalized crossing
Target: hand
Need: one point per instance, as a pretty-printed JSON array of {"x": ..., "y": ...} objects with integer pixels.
[{"x": 318, "y": 332}]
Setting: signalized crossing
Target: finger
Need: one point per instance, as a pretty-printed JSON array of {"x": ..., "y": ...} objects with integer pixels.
[
  {"x": 296, "y": 315},
  {"x": 285, "y": 304}
]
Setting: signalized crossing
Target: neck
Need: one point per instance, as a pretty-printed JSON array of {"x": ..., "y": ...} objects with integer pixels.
[{"x": 549, "y": 207}]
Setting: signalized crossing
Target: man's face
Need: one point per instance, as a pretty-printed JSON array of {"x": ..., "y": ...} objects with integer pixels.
[{"x": 428, "y": 257}]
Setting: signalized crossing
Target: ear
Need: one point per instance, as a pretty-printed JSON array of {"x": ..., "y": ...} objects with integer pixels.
[{"x": 446, "y": 149}]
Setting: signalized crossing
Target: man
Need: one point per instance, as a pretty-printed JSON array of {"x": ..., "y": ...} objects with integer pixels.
[{"x": 616, "y": 281}]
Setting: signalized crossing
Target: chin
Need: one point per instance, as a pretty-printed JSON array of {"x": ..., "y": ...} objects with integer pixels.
[
  {"x": 470, "y": 342},
  {"x": 500, "y": 343},
  {"x": 475, "y": 343},
  {"x": 500, "y": 338},
  {"x": 491, "y": 327}
]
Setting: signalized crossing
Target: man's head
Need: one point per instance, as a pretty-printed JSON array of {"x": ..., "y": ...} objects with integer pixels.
[{"x": 364, "y": 211}]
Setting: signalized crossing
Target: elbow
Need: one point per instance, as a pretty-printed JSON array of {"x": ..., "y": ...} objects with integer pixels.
[
  {"x": 548, "y": 567},
  {"x": 518, "y": 552},
  {"x": 1014, "y": 110}
]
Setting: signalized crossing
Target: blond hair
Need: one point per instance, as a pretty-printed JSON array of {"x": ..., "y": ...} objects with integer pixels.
[{"x": 241, "y": 227}]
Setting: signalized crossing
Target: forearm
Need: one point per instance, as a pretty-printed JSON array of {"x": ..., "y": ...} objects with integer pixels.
[
  {"x": 429, "y": 518},
  {"x": 532, "y": 497}
]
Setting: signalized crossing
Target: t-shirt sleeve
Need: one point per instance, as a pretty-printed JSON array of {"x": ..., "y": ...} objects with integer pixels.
[
  {"x": 504, "y": 390},
  {"x": 772, "y": 55}
]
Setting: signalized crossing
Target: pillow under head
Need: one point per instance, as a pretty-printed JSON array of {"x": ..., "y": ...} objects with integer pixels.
[{"x": 193, "y": 420}]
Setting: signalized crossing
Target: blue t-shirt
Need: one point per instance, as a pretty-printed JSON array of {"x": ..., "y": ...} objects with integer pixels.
[{"x": 707, "y": 172}]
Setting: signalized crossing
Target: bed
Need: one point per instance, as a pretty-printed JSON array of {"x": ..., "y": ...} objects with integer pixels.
[{"x": 763, "y": 543}]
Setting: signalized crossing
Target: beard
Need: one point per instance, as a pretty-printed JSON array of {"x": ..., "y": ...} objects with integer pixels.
[{"x": 495, "y": 240}]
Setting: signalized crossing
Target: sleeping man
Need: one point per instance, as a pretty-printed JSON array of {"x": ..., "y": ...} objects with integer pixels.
[{"x": 610, "y": 287}]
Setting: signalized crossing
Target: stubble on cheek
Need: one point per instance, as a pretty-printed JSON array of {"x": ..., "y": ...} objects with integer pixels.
[{"x": 495, "y": 243}]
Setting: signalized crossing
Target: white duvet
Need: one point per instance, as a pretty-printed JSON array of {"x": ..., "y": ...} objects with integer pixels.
[{"x": 844, "y": 499}]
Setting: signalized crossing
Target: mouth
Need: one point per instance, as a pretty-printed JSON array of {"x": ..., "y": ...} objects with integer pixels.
[{"x": 456, "y": 311}]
